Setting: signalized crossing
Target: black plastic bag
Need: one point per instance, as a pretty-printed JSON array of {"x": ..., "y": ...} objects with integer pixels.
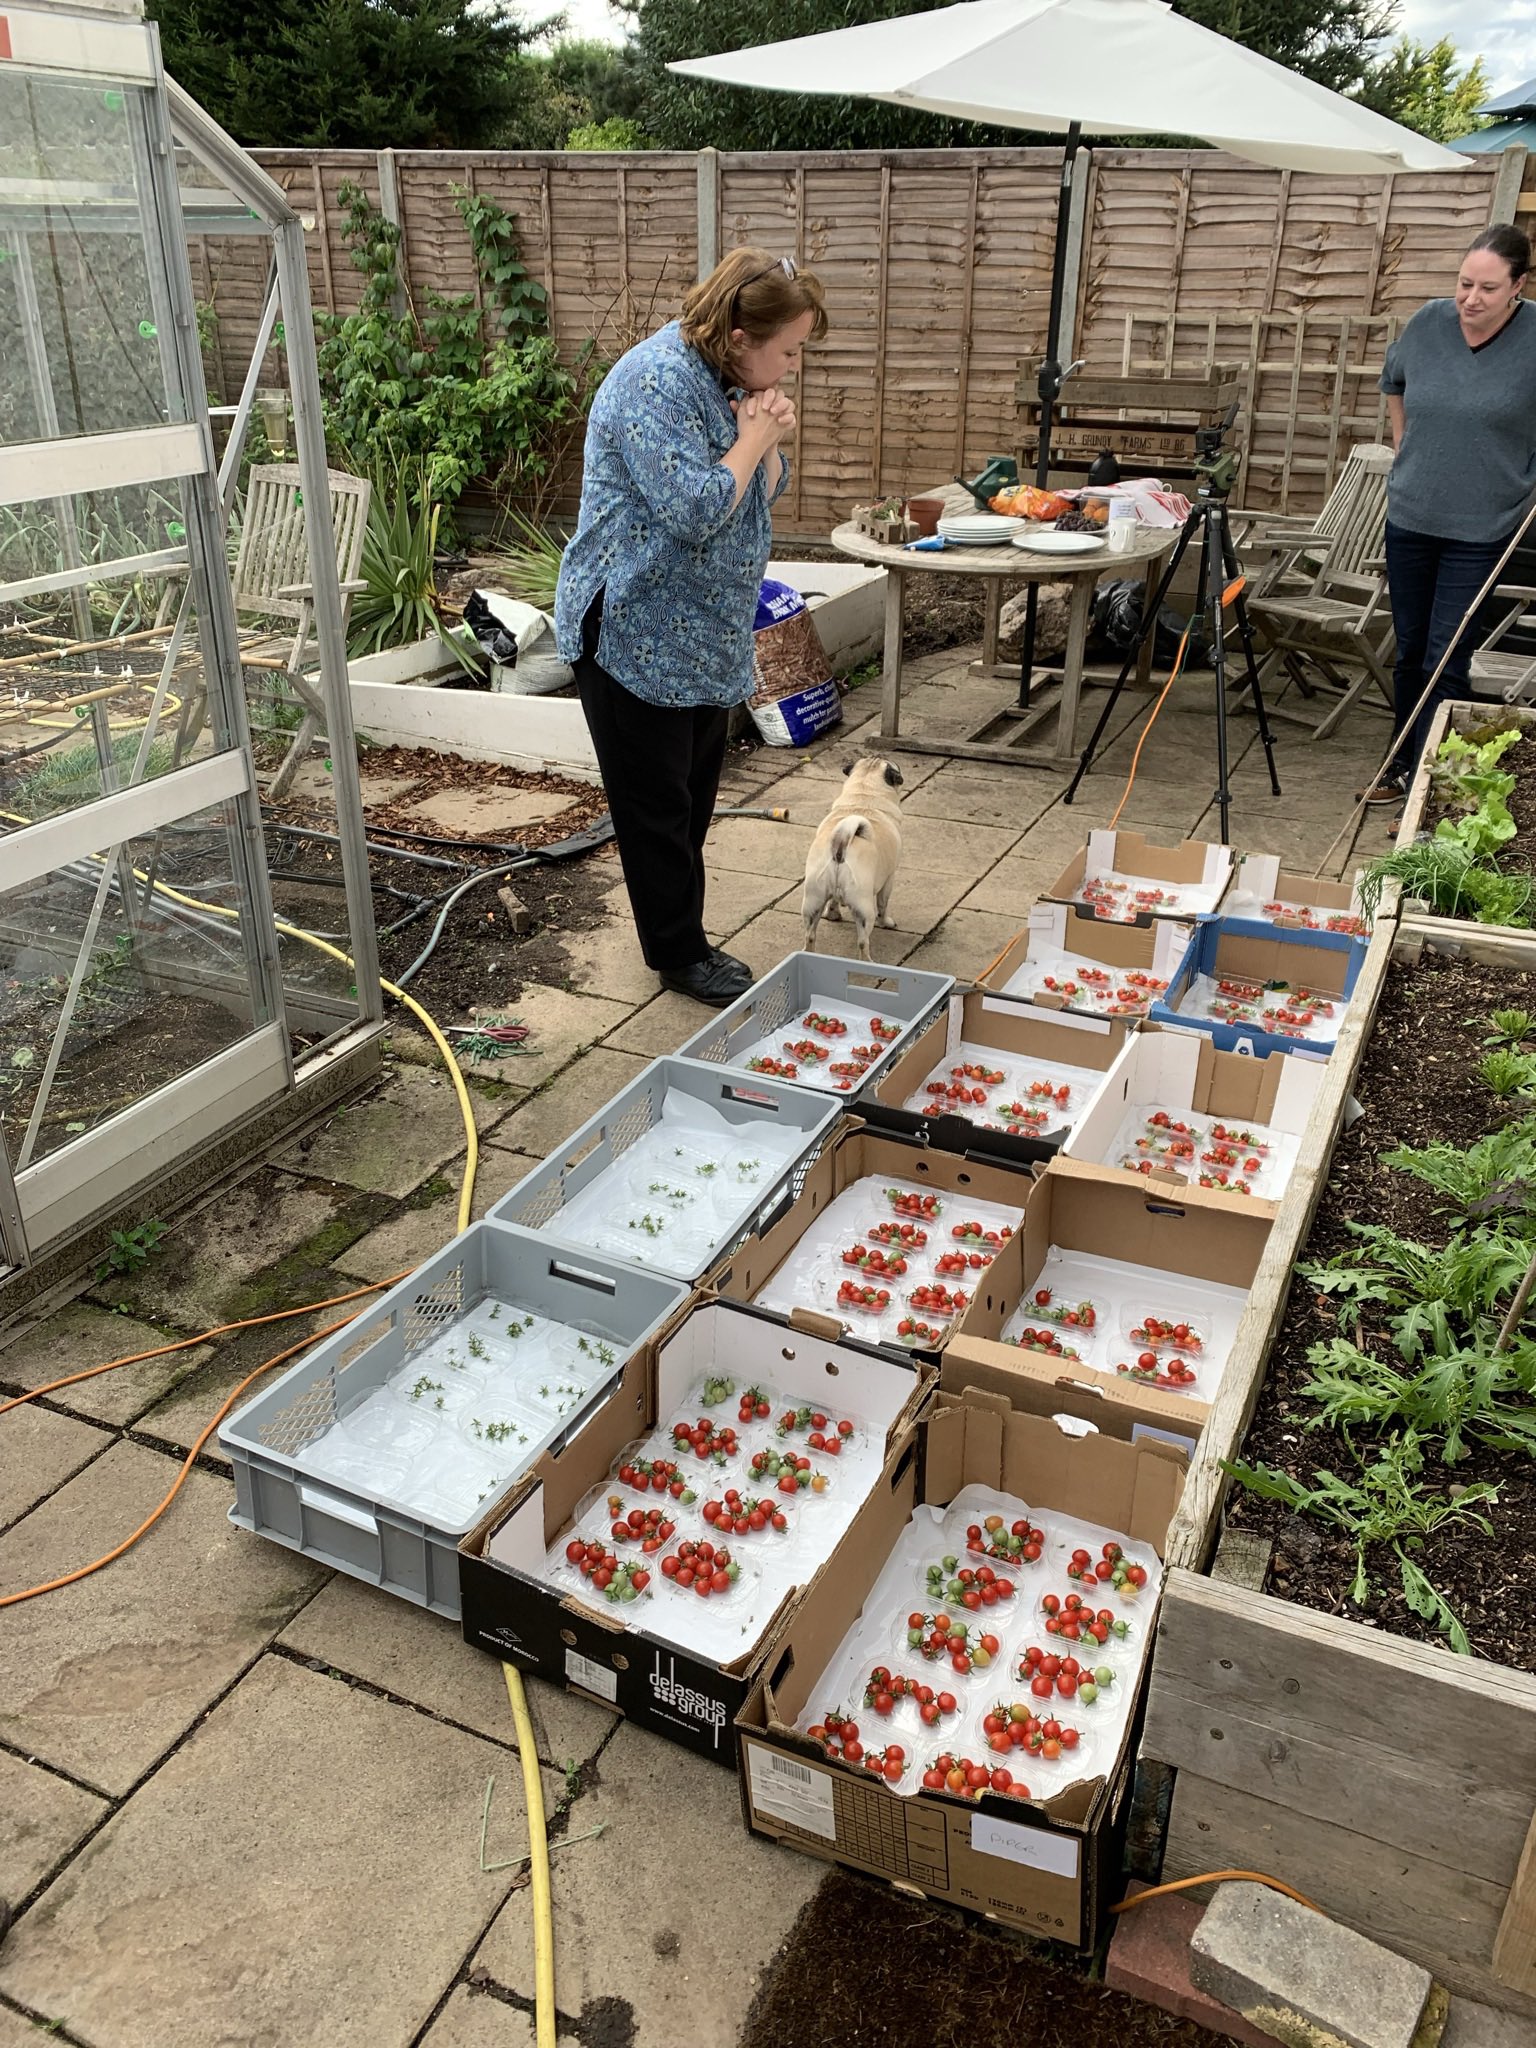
[
  {"x": 495, "y": 642},
  {"x": 1115, "y": 621}
]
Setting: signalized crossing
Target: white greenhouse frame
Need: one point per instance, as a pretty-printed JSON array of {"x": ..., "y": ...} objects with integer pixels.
[{"x": 63, "y": 1196}]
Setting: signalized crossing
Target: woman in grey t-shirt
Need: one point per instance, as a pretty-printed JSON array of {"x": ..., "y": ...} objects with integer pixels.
[{"x": 1461, "y": 395}]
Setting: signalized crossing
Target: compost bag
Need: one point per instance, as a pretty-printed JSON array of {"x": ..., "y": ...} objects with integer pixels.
[
  {"x": 795, "y": 696},
  {"x": 1116, "y": 621}
]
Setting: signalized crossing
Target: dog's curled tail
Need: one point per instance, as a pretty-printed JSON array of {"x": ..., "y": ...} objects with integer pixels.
[{"x": 848, "y": 830}]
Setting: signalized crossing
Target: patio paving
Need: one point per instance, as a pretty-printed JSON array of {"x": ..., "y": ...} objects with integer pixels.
[{"x": 239, "y": 1795}]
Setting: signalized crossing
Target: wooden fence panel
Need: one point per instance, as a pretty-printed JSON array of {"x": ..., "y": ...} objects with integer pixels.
[{"x": 937, "y": 267}]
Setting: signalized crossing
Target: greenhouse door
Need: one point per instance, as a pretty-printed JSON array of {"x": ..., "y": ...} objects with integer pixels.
[{"x": 140, "y": 999}]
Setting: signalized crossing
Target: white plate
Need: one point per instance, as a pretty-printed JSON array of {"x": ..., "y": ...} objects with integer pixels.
[
  {"x": 1060, "y": 543},
  {"x": 989, "y": 526}
]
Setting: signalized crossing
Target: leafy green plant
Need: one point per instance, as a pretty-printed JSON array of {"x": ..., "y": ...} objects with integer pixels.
[
  {"x": 1496, "y": 1176},
  {"x": 419, "y": 387},
  {"x": 1381, "y": 1503},
  {"x": 398, "y": 601},
  {"x": 1508, "y": 1074},
  {"x": 1416, "y": 1290},
  {"x": 71, "y": 777},
  {"x": 530, "y": 563},
  {"x": 1510, "y": 1027},
  {"x": 1449, "y": 1396},
  {"x": 1452, "y": 879},
  {"x": 129, "y": 1250}
]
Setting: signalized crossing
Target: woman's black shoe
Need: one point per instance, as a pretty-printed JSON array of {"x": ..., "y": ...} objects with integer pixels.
[
  {"x": 707, "y": 981},
  {"x": 715, "y": 958}
]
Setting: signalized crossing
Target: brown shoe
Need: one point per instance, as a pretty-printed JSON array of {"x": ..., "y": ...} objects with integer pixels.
[{"x": 1388, "y": 792}]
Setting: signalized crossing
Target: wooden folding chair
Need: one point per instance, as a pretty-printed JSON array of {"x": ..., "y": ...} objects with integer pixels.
[
  {"x": 273, "y": 583},
  {"x": 1339, "y": 626},
  {"x": 1505, "y": 673},
  {"x": 1284, "y": 550}
]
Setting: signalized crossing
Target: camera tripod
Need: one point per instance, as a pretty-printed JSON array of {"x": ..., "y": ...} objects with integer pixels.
[{"x": 1215, "y": 472}]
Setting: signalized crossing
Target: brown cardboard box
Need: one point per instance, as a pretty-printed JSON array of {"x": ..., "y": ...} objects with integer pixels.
[
  {"x": 1042, "y": 1866},
  {"x": 1096, "y": 1215},
  {"x": 1192, "y": 864},
  {"x": 1147, "y": 945},
  {"x": 1060, "y": 1038},
  {"x": 1260, "y": 879},
  {"x": 509, "y": 1609},
  {"x": 860, "y": 1151},
  {"x": 1184, "y": 1073}
]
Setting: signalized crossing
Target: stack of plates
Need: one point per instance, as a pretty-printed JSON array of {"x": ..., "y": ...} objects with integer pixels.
[{"x": 979, "y": 529}]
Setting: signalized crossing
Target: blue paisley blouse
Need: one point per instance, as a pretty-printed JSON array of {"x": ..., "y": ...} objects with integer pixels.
[{"x": 677, "y": 567}]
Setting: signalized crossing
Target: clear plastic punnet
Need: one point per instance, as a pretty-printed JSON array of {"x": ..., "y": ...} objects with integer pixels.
[
  {"x": 1004, "y": 1092},
  {"x": 892, "y": 1262},
  {"x": 939, "y": 1682},
  {"x": 1079, "y": 983}
]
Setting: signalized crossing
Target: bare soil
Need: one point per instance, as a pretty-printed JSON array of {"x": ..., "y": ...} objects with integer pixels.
[
  {"x": 1419, "y": 1083},
  {"x": 864, "y": 1964}
]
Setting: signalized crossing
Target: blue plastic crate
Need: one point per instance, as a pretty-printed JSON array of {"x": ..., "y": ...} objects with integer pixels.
[{"x": 1243, "y": 950}]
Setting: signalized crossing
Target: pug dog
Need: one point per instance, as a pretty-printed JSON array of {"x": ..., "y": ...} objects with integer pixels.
[{"x": 853, "y": 858}]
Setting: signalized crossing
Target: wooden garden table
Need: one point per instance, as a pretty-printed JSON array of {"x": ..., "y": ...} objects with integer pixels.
[{"x": 1064, "y": 689}]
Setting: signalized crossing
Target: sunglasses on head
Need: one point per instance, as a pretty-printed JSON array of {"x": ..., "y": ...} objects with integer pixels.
[{"x": 786, "y": 264}]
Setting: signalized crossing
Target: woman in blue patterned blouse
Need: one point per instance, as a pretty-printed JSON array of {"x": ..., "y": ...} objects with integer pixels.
[{"x": 658, "y": 590}]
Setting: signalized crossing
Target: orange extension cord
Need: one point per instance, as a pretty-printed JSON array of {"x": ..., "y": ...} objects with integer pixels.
[
  {"x": 1184, "y": 1884},
  {"x": 160, "y": 1350}
]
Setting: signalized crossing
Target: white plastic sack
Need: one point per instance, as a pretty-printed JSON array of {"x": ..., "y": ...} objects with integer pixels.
[{"x": 538, "y": 670}]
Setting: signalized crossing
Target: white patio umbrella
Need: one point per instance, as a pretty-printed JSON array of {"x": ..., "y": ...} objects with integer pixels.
[{"x": 1076, "y": 67}]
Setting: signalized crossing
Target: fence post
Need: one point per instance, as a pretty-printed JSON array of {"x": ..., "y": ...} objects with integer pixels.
[
  {"x": 1507, "y": 182},
  {"x": 389, "y": 206},
  {"x": 709, "y": 210},
  {"x": 1077, "y": 242}
]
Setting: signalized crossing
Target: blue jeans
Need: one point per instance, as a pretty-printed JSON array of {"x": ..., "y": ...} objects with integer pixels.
[{"x": 1432, "y": 581}]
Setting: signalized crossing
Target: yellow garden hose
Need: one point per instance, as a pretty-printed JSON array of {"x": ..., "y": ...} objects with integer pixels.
[{"x": 538, "y": 1856}]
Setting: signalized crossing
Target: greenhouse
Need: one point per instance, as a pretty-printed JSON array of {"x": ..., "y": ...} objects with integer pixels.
[{"x": 151, "y": 1002}]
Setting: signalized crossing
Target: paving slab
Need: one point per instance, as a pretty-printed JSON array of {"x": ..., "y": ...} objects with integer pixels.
[
  {"x": 978, "y": 793},
  {"x": 102, "y": 1677},
  {"x": 1015, "y": 883},
  {"x": 17, "y": 2032},
  {"x": 1302, "y": 1977},
  {"x": 966, "y": 943},
  {"x": 1469, "y": 2025},
  {"x": 409, "y": 1237},
  {"x": 733, "y": 899},
  {"x": 756, "y": 846},
  {"x": 764, "y": 942},
  {"x": 606, "y": 961},
  {"x": 42, "y": 1450},
  {"x": 951, "y": 846},
  {"x": 402, "y": 1133},
  {"x": 488, "y": 814},
  {"x": 561, "y": 1023},
  {"x": 472, "y": 2019},
  {"x": 1149, "y": 1959},
  {"x": 256, "y": 1245},
  {"x": 180, "y": 1419},
  {"x": 536, "y": 1127},
  {"x": 42, "y": 1817},
  {"x": 659, "y": 1027},
  {"x": 304, "y": 1869},
  {"x": 69, "y": 1339},
  {"x": 684, "y": 1993},
  {"x": 382, "y": 789},
  {"x": 420, "y": 1657}
]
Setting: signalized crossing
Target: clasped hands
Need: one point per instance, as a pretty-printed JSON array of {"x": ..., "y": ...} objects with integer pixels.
[{"x": 763, "y": 419}]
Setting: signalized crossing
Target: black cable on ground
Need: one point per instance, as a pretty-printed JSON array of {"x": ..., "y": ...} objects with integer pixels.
[
  {"x": 425, "y": 860},
  {"x": 484, "y": 875}
]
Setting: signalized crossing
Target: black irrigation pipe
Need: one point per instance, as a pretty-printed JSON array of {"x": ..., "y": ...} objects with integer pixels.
[
  {"x": 425, "y": 860},
  {"x": 510, "y": 867}
]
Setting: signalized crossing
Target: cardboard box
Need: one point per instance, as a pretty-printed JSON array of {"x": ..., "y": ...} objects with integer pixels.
[
  {"x": 1195, "y": 868},
  {"x": 1261, "y": 880},
  {"x": 1101, "y": 1219},
  {"x": 856, "y": 1154},
  {"x": 509, "y": 1609},
  {"x": 1182, "y": 1071},
  {"x": 1048, "y": 1866},
  {"x": 1328, "y": 962},
  {"x": 1147, "y": 945},
  {"x": 1060, "y": 1039}
]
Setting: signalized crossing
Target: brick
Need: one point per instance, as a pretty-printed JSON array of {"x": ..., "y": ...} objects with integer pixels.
[
  {"x": 1149, "y": 1960},
  {"x": 1311, "y": 1982},
  {"x": 1470, "y": 2025}
]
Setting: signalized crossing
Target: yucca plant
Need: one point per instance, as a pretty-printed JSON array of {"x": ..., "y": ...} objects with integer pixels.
[
  {"x": 398, "y": 603},
  {"x": 530, "y": 562}
]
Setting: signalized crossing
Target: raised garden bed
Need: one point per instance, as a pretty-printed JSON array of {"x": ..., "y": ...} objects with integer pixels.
[
  {"x": 1319, "y": 1727},
  {"x": 1474, "y": 800}
]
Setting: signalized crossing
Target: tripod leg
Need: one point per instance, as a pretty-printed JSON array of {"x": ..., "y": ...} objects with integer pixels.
[
  {"x": 1148, "y": 628},
  {"x": 1212, "y": 572},
  {"x": 1250, "y": 655}
]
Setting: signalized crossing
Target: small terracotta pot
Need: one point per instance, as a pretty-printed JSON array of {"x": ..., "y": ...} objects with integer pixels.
[{"x": 925, "y": 513}]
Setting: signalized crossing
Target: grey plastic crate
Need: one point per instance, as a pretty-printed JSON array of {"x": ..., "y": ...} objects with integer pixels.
[
  {"x": 537, "y": 1200},
  {"x": 364, "y": 1532},
  {"x": 809, "y": 981}
]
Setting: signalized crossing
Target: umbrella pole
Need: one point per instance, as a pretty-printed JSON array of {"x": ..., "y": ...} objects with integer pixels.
[{"x": 1050, "y": 385}]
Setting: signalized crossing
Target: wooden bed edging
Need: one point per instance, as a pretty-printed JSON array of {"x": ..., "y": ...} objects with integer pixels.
[{"x": 1281, "y": 1722}]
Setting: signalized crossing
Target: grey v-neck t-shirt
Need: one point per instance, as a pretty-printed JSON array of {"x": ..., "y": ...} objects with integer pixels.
[{"x": 1467, "y": 467}]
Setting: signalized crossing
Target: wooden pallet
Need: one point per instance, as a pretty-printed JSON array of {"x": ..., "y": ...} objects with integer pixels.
[{"x": 1392, "y": 1782}]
